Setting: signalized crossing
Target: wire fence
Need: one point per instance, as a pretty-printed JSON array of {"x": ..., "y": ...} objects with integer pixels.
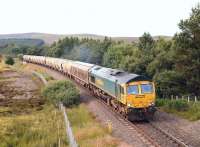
[
  {"x": 70, "y": 135},
  {"x": 188, "y": 98}
]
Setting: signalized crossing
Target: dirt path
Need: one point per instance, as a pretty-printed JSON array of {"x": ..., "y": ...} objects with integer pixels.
[{"x": 119, "y": 130}]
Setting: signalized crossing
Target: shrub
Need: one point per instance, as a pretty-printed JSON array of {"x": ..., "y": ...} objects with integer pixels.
[
  {"x": 9, "y": 60},
  {"x": 178, "y": 105},
  {"x": 161, "y": 102},
  {"x": 62, "y": 91}
]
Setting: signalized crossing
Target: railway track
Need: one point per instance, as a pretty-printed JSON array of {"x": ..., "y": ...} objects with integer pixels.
[
  {"x": 146, "y": 139},
  {"x": 149, "y": 133},
  {"x": 189, "y": 138}
]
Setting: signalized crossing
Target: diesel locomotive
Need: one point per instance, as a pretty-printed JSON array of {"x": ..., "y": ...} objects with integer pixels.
[{"x": 130, "y": 94}]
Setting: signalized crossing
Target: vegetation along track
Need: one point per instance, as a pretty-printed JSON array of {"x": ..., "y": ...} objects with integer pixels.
[{"x": 149, "y": 133}]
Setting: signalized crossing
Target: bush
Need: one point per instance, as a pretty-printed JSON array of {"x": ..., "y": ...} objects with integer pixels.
[
  {"x": 178, "y": 105},
  {"x": 161, "y": 102},
  {"x": 9, "y": 60},
  {"x": 62, "y": 91}
]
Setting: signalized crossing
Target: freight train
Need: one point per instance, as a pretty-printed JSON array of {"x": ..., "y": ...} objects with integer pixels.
[{"x": 130, "y": 94}]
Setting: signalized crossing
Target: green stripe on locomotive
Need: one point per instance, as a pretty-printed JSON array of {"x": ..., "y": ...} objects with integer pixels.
[{"x": 101, "y": 78}]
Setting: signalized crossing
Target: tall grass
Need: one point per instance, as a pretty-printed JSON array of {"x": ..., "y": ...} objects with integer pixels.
[
  {"x": 88, "y": 132},
  {"x": 3, "y": 66},
  {"x": 42, "y": 128},
  {"x": 182, "y": 108}
]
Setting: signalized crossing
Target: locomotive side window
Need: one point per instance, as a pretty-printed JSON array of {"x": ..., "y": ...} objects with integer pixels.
[
  {"x": 92, "y": 79},
  {"x": 121, "y": 90},
  {"x": 133, "y": 89}
]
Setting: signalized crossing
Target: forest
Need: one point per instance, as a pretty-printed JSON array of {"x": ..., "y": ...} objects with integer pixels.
[{"x": 173, "y": 64}]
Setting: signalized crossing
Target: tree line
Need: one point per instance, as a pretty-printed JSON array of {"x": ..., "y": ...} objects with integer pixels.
[{"x": 174, "y": 64}]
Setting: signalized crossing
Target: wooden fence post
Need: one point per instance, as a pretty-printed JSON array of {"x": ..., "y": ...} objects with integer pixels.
[
  {"x": 188, "y": 98},
  {"x": 176, "y": 97},
  {"x": 171, "y": 97},
  {"x": 182, "y": 97},
  {"x": 195, "y": 98}
]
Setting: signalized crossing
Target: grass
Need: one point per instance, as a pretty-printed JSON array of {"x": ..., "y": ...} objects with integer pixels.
[
  {"x": 29, "y": 123},
  {"x": 40, "y": 128},
  {"x": 3, "y": 66},
  {"x": 190, "y": 111},
  {"x": 47, "y": 77},
  {"x": 18, "y": 66},
  {"x": 88, "y": 132}
]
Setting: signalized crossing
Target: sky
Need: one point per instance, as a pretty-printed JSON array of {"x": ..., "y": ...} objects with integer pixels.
[{"x": 103, "y": 17}]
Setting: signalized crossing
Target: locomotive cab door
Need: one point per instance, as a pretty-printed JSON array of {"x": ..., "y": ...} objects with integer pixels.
[{"x": 121, "y": 94}]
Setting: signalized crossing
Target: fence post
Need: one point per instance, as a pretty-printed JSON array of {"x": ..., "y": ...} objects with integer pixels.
[
  {"x": 176, "y": 97},
  {"x": 195, "y": 98},
  {"x": 182, "y": 97},
  {"x": 171, "y": 97},
  {"x": 69, "y": 132},
  {"x": 188, "y": 98}
]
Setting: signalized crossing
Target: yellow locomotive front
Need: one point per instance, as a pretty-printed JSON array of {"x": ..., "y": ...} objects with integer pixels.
[
  {"x": 140, "y": 94},
  {"x": 140, "y": 99}
]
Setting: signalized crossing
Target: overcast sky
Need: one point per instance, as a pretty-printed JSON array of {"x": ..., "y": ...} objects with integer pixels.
[{"x": 104, "y": 17}]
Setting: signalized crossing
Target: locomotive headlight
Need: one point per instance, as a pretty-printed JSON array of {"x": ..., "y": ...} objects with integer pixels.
[
  {"x": 151, "y": 104},
  {"x": 129, "y": 105}
]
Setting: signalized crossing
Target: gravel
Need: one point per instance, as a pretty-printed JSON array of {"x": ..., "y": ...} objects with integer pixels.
[{"x": 187, "y": 131}]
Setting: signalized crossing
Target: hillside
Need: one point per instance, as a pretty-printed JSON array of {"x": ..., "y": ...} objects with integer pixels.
[
  {"x": 21, "y": 42},
  {"x": 50, "y": 38},
  {"x": 47, "y": 38}
]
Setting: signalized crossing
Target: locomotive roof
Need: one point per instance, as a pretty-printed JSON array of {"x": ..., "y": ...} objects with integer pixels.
[{"x": 116, "y": 75}]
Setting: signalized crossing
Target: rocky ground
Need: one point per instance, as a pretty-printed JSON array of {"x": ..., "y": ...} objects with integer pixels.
[{"x": 186, "y": 130}]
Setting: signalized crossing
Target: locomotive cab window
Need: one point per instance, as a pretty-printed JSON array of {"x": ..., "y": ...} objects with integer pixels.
[
  {"x": 133, "y": 89},
  {"x": 146, "y": 88}
]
